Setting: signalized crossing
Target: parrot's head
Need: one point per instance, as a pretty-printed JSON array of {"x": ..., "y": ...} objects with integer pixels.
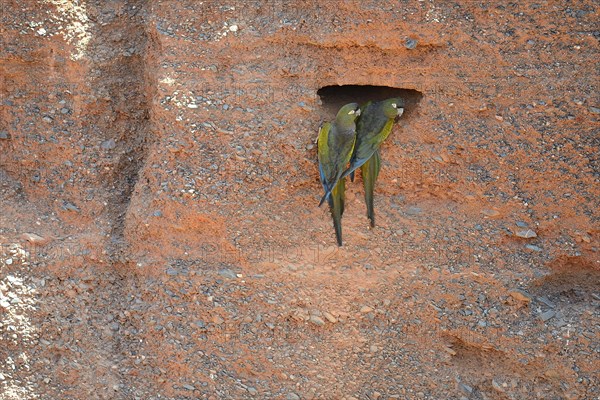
[
  {"x": 347, "y": 114},
  {"x": 393, "y": 108}
]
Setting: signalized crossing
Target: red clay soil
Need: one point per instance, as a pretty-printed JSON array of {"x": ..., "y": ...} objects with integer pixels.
[{"x": 159, "y": 229}]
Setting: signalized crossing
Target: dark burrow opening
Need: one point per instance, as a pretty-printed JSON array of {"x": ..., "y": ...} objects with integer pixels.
[{"x": 334, "y": 97}]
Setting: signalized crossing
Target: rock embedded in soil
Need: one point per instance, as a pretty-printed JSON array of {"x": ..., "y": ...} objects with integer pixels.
[
  {"x": 35, "y": 239},
  {"x": 410, "y": 43},
  {"x": 365, "y": 309},
  {"x": 497, "y": 386},
  {"x": 526, "y": 234},
  {"x": 108, "y": 144},
  {"x": 329, "y": 317},
  {"x": 488, "y": 212},
  {"x": 227, "y": 273},
  {"x": 520, "y": 295},
  {"x": 533, "y": 247},
  {"x": 545, "y": 316}
]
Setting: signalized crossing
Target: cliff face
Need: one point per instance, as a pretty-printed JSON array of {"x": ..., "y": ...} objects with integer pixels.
[{"x": 159, "y": 148}]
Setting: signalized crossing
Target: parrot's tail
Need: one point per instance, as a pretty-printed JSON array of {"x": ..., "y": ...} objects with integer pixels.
[
  {"x": 336, "y": 205},
  {"x": 370, "y": 172}
]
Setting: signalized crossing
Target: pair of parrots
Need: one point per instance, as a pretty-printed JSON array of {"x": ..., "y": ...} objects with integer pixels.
[{"x": 354, "y": 137}]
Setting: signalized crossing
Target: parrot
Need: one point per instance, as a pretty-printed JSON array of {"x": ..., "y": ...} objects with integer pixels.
[
  {"x": 335, "y": 148},
  {"x": 372, "y": 128}
]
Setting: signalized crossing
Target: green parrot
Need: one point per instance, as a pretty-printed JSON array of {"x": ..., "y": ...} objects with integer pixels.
[
  {"x": 335, "y": 148},
  {"x": 372, "y": 128}
]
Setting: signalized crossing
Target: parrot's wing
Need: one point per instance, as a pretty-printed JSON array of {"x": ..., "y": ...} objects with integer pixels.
[
  {"x": 369, "y": 140},
  {"x": 322, "y": 176},
  {"x": 324, "y": 159}
]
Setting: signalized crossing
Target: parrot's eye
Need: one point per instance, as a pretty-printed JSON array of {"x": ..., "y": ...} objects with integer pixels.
[
  {"x": 394, "y": 105},
  {"x": 351, "y": 112}
]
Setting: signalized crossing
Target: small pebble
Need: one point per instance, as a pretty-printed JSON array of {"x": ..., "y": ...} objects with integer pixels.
[
  {"x": 526, "y": 234},
  {"x": 316, "y": 320},
  {"x": 490, "y": 213},
  {"x": 34, "y": 239},
  {"x": 200, "y": 324},
  {"x": 545, "y": 316},
  {"x": 520, "y": 296},
  {"x": 227, "y": 273},
  {"x": 70, "y": 206},
  {"x": 595, "y": 110},
  {"x": 109, "y": 144},
  {"x": 413, "y": 210},
  {"x": 329, "y": 317},
  {"x": 465, "y": 388},
  {"x": 546, "y": 301},
  {"x": 497, "y": 386},
  {"x": 450, "y": 351},
  {"x": 533, "y": 247},
  {"x": 410, "y": 43},
  {"x": 559, "y": 323}
]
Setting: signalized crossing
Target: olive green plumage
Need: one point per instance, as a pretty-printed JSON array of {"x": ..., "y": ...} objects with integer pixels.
[
  {"x": 372, "y": 128},
  {"x": 335, "y": 148},
  {"x": 370, "y": 172},
  {"x": 336, "y": 206}
]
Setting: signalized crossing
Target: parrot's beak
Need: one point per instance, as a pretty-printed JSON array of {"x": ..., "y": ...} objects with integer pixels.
[
  {"x": 358, "y": 112},
  {"x": 400, "y": 111}
]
